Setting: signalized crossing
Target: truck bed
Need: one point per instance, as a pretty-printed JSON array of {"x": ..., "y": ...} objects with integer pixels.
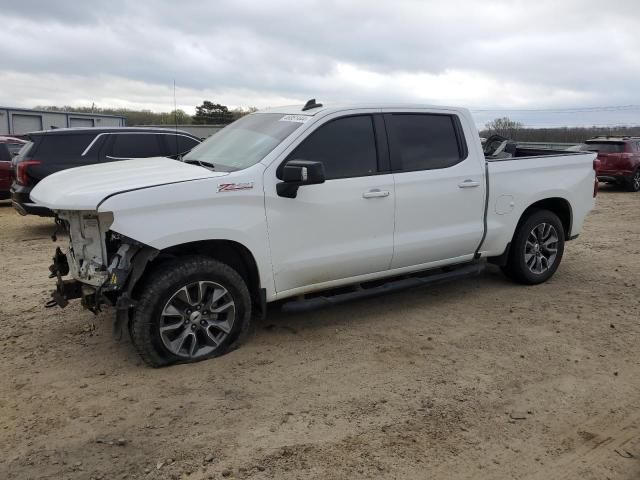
[
  {"x": 544, "y": 175},
  {"x": 532, "y": 152}
]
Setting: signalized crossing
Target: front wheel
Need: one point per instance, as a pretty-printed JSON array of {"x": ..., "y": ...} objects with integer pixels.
[
  {"x": 536, "y": 249},
  {"x": 190, "y": 309}
]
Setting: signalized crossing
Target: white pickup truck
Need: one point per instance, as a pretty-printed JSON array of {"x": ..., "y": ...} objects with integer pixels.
[{"x": 311, "y": 204}]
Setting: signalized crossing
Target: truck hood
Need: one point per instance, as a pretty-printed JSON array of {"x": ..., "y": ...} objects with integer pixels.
[{"x": 83, "y": 188}]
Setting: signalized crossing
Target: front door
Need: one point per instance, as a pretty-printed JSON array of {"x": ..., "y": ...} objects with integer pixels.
[{"x": 342, "y": 228}]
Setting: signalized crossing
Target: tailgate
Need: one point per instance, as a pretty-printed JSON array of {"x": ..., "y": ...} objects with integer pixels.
[
  {"x": 613, "y": 161},
  {"x": 610, "y": 154}
]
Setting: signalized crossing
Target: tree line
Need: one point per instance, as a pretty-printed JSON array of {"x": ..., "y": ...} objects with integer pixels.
[
  {"x": 208, "y": 113},
  {"x": 517, "y": 131}
]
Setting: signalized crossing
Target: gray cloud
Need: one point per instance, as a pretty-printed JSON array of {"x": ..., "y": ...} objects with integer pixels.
[{"x": 516, "y": 54}]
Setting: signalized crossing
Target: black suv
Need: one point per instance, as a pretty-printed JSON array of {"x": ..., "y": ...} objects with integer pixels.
[{"x": 50, "y": 151}]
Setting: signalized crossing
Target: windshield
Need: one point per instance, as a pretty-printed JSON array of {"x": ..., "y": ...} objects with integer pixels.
[
  {"x": 245, "y": 142},
  {"x": 606, "y": 147}
]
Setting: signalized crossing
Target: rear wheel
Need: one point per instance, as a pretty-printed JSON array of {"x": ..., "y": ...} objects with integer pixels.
[
  {"x": 632, "y": 184},
  {"x": 190, "y": 309},
  {"x": 536, "y": 249}
]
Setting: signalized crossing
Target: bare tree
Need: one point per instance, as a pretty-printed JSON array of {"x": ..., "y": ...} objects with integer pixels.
[{"x": 504, "y": 126}]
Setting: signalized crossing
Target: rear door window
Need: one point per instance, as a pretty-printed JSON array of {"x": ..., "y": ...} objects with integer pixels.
[
  {"x": 136, "y": 145},
  {"x": 424, "y": 141},
  {"x": 345, "y": 146}
]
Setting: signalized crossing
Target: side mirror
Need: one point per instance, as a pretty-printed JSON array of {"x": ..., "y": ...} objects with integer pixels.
[{"x": 297, "y": 173}]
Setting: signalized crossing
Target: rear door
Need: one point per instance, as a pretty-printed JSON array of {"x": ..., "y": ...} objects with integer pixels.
[
  {"x": 339, "y": 229},
  {"x": 439, "y": 189}
]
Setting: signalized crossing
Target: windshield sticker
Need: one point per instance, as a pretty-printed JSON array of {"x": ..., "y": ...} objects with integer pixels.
[
  {"x": 232, "y": 187},
  {"x": 295, "y": 118}
]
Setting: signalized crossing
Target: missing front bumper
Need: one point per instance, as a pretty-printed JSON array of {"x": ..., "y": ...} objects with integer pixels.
[
  {"x": 68, "y": 289},
  {"x": 65, "y": 290}
]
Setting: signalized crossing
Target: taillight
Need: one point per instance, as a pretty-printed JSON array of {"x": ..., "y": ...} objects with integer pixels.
[
  {"x": 596, "y": 184},
  {"x": 22, "y": 177}
]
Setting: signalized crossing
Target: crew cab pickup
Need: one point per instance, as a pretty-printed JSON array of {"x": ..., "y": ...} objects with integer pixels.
[{"x": 311, "y": 205}]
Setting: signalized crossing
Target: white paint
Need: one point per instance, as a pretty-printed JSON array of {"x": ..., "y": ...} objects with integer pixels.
[
  {"x": 335, "y": 233},
  {"x": 83, "y": 188},
  {"x": 504, "y": 204}
]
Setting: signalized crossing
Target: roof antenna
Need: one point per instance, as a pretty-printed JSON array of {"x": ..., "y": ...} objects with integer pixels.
[
  {"x": 175, "y": 119},
  {"x": 311, "y": 104}
]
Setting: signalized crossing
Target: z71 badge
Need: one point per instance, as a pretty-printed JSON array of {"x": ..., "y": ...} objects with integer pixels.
[{"x": 232, "y": 187}]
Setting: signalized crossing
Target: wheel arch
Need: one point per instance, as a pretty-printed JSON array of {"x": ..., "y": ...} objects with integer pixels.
[
  {"x": 229, "y": 252},
  {"x": 558, "y": 205}
]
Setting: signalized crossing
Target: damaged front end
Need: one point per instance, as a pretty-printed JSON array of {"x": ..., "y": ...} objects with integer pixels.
[{"x": 104, "y": 265}]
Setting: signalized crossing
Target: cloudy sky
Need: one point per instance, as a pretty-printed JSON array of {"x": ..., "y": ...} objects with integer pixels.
[{"x": 563, "y": 57}]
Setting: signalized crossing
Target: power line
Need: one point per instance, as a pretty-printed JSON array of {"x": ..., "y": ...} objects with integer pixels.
[
  {"x": 604, "y": 108},
  {"x": 585, "y": 125}
]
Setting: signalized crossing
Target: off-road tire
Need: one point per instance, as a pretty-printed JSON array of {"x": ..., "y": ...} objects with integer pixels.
[
  {"x": 632, "y": 184},
  {"x": 516, "y": 268},
  {"x": 161, "y": 285}
]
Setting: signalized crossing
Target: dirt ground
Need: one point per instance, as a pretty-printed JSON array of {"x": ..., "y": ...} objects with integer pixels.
[{"x": 470, "y": 380}]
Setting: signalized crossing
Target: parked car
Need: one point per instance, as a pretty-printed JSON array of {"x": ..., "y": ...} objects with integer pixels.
[
  {"x": 14, "y": 144},
  {"x": 619, "y": 159},
  {"x": 55, "y": 150},
  {"x": 313, "y": 204},
  {"x": 9, "y": 147}
]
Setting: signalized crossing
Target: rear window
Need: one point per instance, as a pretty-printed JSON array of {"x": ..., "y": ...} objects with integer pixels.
[
  {"x": 14, "y": 148},
  {"x": 67, "y": 148},
  {"x": 606, "y": 147}
]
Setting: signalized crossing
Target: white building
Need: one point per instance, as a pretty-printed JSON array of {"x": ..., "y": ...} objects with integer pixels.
[{"x": 18, "y": 121}]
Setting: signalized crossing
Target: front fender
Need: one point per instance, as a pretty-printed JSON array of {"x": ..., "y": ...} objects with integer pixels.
[{"x": 176, "y": 214}]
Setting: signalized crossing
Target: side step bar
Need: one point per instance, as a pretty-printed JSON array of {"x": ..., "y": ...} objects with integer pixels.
[{"x": 467, "y": 270}]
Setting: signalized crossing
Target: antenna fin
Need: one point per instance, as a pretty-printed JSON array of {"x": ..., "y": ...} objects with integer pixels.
[{"x": 311, "y": 104}]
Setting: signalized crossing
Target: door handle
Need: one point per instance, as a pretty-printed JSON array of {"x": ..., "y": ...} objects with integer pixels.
[
  {"x": 375, "y": 193},
  {"x": 469, "y": 184}
]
